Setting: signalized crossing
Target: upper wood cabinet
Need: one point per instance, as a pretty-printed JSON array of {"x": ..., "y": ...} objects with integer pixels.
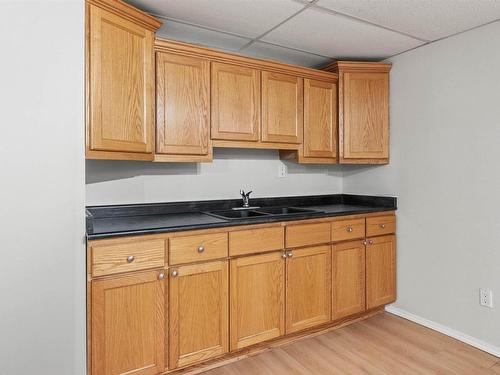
[
  {"x": 128, "y": 325},
  {"x": 380, "y": 271},
  {"x": 198, "y": 312},
  {"x": 282, "y": 108},
  {"x": 363, "y": 112},
  {"x": 235, "y": 102},
  {"x": 120, "y": 82},
  {"x": 182, "y": 108},
  {"x": 308, "y": 283}
]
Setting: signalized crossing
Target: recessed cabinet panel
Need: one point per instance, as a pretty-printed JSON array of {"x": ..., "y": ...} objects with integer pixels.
[
  {"x": 128, "y": 325},
  {"x": 183, "y": 104},
  {"x": 120, "y": 89},
  {"x": 282, "y": 108},
  {"x": 348, "y": 279},
  {"x": 380, "y": 271},
  {"x": 366, "y": 115},
  {"x": 320, "y": 119},
  {"x": 308, "y": 283},
  {"x": 235, "y": 102}
]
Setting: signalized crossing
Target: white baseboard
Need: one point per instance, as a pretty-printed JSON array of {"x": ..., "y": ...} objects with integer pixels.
[{"x": 484, "y": 346}]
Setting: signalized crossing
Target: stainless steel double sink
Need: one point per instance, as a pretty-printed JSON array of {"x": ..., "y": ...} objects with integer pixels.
[{"x": 239, "y": 214}]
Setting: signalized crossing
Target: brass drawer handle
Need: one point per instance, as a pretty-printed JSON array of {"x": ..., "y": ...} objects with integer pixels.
[
  {"x": 349, "y": 229},
  {"x": 201, "y": 249},
  {"x": 130, "y": 258},
  {"x": 382, "y": 226}
]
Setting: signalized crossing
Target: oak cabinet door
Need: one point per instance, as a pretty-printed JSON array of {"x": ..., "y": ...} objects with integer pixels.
[
  {"x": 128, "y": 325},
  {"x": 257, "y": 301},
  {"x": 348, "y": 279},
  {"x": 308, "y": 288},
  {"x": 121, "y": 85},
  {"x": 235, "y": 102},
  {"x": 182, "y": 104},
  {"x": 282, "y": 108},
  {"x": 366, "y": 116},
  {"x": 198, "y": 313},
  {"x": 320, "y": 119},
  {"x": 380, "y": 271}
]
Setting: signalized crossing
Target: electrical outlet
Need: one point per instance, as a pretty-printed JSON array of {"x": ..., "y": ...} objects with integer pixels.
[
  {"x": 486, "y": 298},
  {"x": 282, "y": 170}
]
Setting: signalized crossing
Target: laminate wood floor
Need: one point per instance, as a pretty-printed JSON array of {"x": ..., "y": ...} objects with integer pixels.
[{"x": 382, "y": 344}]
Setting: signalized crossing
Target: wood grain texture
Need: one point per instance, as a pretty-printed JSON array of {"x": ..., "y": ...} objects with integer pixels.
[
  {"x": 109, "y": 259},
  {"x": 257, "y": 299},
  {"x": 348, "y": 279},
  {"x": 308, "y": 288},
  {"x": 187, "y": 249},
  {"x": 378, "y": 226},
  {"x": 282, "y": 108},
  {"x": 182, "y": 104},
  {"x": 120, "y": 87},
  {"x": 198, "y": 310},
  {"x": 381, "y": 345},
  {"x": 235, "y": 102},
  {"x": 257, "y": 240},
  {"x": 350, "y": 229},
  {"x": 307, "y": 234},
  {"x": 380, "y": 271},
  {"x": 128, "y": 325},
  {"x": 320, "y": 119}
]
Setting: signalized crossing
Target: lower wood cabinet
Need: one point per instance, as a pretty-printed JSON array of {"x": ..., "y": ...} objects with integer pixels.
[
  {"x": 198, "y": 306},
  {"x": 380, "y": 271},
  {"x": 257, "y": 299},
  {"x": 348, "y": 278},
  {"x": 128, "y": 324},
  {"x": 308, "y": 283}
]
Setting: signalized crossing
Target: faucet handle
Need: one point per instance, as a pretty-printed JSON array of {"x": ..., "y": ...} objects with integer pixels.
[
  {"x": 248, "y": 194},
  {"x": 242, "y": 192}
]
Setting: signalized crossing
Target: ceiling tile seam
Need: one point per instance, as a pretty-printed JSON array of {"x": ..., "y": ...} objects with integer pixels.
[
  {"x": 362, "y": 20},
  {"x": 256, "y": 39},
  {"x": 294, "y": 49},
  {"x": 444, "y": 37},
  {"x": 200, "y": 26}
]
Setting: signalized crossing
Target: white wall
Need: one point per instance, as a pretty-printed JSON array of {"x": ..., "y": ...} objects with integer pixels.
[
  {"x": 445, "y": 153},
  {"x": 42, "y": 279},
  {"x": 116, "y": 182}
]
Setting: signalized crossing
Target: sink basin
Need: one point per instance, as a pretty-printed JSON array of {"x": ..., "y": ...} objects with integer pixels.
[
  {"x": 233, "y": 215},
  {"x": 259, "y": 212},
  {"x": 285, "y": 210}
]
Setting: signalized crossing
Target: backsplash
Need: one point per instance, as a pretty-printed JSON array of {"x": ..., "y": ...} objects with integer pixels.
[{"x": 123, "y": 182}]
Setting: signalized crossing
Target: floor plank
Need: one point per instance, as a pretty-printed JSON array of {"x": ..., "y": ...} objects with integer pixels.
[{"x": 381, "y": 345}]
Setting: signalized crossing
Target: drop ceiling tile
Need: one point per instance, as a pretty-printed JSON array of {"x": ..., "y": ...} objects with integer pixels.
[
  {"x": 324, "y": 33},
  {"x": 286, "y": 55},
  {"x": 197, "y": 35},
  {"x": 249, "y": 18},
  {"x": 427, "y": 19}
]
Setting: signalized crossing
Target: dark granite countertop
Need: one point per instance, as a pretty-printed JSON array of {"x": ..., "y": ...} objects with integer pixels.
[{"x": 136, "y": 219}]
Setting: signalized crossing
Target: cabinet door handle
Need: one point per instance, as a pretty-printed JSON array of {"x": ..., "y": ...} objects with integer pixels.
[
  {"x": 289, "y": 254},
  {"x": 370, "y": 242},
  {"x": 130, "y": 258},
  {"x": 349, "y": 229},
  {"x": 382, "y": 226},
  {"x": 201, "y": 249},
  {"x": 161, "y": 276},
  {"x": 174, "y": 273},
  {"x": 364, "y": 242},
  {"x": 284, "y": 255}
]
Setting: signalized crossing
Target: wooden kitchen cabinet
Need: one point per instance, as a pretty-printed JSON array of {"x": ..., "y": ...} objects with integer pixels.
[
  {"x": 198, "y": 312},
  {"x": 348, "y": 278},
  {"x": 380, "y": 271},
  {"x": 363, "y": 111},
  {"x": 308, "y": 287},
  {"x": 182, "y": 108},
  {"x": 257, "y": 299},
  {"x": 282, "y": 108},
  {"x": 120, "y": 82},
  {"x": 235, "y": 102},
  {"x": 128, "y": 324}
]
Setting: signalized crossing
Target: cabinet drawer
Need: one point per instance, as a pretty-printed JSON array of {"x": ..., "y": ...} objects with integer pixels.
[
  {"x": 197, "y": 248},
  {"x": 376, "y": 226},
  {"x": 132, "y": 255},
  {"x": 307, "y": 234},
  {"x": 348, "y": 229},
  {"x": 256, "y": 240}
]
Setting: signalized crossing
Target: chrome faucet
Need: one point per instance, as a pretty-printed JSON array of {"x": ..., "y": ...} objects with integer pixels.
[{"x": 246, "y": 198}]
